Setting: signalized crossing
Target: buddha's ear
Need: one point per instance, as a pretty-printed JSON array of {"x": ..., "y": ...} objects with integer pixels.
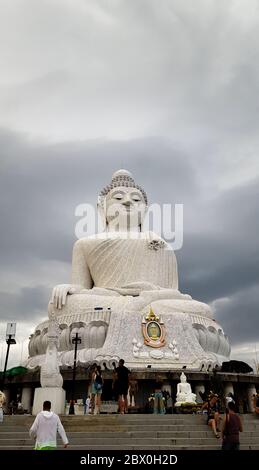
[
  {"x": 101, "y": 216},
  {"x": 143, "y": 227}
]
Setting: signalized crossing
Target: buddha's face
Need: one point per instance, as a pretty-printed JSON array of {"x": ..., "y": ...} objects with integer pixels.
[{"x": 124, "y": 209}]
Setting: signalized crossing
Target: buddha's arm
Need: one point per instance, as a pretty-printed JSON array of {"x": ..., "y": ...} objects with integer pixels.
[
  {"x": 80, "y": 272},
  {"x": 81, "y": 278}
]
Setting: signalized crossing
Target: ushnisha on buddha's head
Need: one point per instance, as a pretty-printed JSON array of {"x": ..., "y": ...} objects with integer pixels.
[
  {"x": 123, "y": 203},
  {"x": 183, "y": 377}
]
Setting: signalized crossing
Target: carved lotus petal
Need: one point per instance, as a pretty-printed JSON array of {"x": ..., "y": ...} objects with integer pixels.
[{"x": 156, "y": 354}]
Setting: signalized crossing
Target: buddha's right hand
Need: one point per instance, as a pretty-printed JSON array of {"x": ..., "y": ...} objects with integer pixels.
[{"x": 60, "y": 292}]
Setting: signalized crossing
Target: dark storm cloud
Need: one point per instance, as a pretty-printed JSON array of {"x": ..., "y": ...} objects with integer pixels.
[
  {"x": 27, "y": 305},
  {"x": 240, "y": 316},
  {"x": 42, "y": 185},
  {"x": 224, "y": 256}
]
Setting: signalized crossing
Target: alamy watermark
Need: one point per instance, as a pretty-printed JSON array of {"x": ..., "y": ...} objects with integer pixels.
[{"x": 164, "y": 220}]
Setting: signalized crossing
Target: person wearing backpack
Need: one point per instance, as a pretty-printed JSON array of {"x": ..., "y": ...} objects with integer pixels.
[
  {"x": 96, "y": 389},
  {"x": 231, "y": 427}
]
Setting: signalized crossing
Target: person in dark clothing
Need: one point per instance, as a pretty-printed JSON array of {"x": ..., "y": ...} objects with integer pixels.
[
  {"x": 96, "y": 389},
  {"x": 122, "y": 385},
  {"x": 231, "y": 427},
  {"x": 159, "y": 399}
]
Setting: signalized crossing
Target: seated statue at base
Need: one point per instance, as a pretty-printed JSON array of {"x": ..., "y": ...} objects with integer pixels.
[{"x": 184, "y": 392}]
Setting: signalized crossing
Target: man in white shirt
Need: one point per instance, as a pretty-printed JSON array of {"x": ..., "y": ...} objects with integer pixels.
[
  {"x": 87, "y": 406},
  {"x": 45, "y": 428}
]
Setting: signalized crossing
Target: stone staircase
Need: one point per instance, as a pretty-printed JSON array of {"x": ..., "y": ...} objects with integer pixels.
[{"x": 130, "y": 432}]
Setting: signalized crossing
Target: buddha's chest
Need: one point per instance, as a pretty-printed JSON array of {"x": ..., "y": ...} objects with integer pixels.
[{"x": 127, "y": 258}]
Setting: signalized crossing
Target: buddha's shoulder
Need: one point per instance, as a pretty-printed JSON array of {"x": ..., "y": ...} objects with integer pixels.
[
  {"x": 141, "y": 237},
  {"x": 86, "y": 241}
]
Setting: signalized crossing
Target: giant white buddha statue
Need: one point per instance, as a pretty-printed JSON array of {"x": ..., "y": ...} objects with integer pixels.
[{"x": 124, "y": 286}]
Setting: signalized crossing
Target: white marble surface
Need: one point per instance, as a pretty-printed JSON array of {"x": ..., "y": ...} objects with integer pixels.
[{"x": 56, "y": 396}]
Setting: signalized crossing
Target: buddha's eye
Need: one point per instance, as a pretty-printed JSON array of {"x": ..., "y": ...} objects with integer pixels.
[
  {"x": 136, "y": 199},
  {"x": 118, "y": 197}
]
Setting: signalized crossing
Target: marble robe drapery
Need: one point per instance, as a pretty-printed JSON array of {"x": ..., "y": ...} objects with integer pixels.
[{"x": 126, "y": 265}]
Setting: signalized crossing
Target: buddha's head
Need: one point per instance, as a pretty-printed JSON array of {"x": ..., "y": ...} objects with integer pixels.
[
  {"x": 123, "y": 204},
  {"x": 183, "y": 377}
]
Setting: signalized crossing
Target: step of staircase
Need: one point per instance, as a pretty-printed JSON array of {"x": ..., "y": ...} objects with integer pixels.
[{"x": 129, "y": 432}]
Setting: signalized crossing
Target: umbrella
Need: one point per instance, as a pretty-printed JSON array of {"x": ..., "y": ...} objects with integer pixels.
[
  {"x": 236, "y": 366},
  {"x": 18, "y": 370}
]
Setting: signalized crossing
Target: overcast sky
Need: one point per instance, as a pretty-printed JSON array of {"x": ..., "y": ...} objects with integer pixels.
[{"x": 166, "y": 89}]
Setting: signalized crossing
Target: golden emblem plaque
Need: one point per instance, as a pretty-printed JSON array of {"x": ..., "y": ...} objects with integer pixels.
[{"x": 153, "y": 330}]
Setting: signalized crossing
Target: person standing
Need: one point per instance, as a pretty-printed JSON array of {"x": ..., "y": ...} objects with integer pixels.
[
  {"x": 133, "y": 389},
  {"x": 2, "y": 402},
  {"x": 159, "y": 400},
  {"x": 122, "y": 385},
  {"x": 87, "y": 406},
  {"x": 169, "y": 403},
  {"x": 45, "y": 427},
  {"x": 96, "y": 390},
  {"x": 231, "y": 427}
]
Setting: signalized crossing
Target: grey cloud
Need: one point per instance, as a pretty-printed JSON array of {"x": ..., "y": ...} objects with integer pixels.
[
  {"x": 42, "y": 185},
  {"x": 221, "y": 250},
  {"x": 130, "y": 69},
  {"x": 30, "y": 304},
  {"x": 239, "y": 316}
]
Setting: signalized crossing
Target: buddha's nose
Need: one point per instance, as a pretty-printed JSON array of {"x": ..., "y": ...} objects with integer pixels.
[{"x": 127, "y": 202}]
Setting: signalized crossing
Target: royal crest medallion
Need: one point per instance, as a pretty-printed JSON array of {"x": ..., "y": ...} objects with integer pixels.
[{"x": 153, "y": 330}]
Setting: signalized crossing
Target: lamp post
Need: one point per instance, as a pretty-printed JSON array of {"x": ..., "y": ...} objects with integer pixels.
[
  {"x": 10, "y": 339},
  {"x": 76, "y": 340}
]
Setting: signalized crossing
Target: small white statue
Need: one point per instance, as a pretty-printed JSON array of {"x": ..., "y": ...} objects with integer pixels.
[
  {"x": 184, "y": 392},
  {"x": 50, "y": 375}
]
